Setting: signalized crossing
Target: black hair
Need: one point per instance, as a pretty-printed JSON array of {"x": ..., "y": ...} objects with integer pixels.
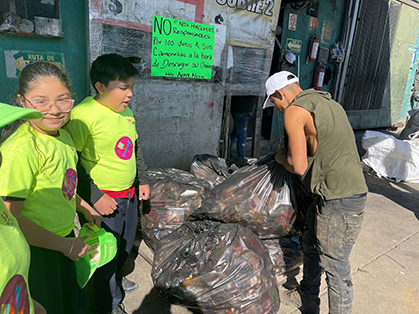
[{"x": 111, "y": 67}]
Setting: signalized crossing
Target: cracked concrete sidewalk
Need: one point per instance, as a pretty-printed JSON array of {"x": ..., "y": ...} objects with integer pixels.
[{"x": 384, "y": 260}]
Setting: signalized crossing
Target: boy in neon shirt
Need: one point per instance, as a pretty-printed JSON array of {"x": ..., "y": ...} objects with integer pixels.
[{"x": 103, "y": 129}]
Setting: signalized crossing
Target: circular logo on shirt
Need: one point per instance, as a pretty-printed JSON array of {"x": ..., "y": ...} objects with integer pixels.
[
  {"x": 15, "y": 297},
  {"x": 69, "y": 184},
  {"x": 124, "y": 148}
]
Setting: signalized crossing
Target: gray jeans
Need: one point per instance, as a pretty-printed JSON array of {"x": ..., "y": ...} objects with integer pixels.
[{"x": 331, "y": 230}]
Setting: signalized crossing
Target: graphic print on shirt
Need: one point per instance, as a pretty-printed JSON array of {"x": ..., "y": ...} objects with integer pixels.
[
  {"x": 5, "y": 216},
  {"x": 124, "y": 148},
  {"x": 69, "y": 184},
  {"x": 15, "y": 297}
]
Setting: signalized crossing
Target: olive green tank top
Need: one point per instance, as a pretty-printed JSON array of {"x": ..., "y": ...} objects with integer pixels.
[{"x": 335, "y": 170}]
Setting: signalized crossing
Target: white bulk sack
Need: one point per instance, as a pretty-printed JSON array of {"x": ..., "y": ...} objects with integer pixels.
[{"x": 390, "y": 157}]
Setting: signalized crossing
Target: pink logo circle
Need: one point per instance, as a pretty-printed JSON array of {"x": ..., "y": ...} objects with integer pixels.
[
  {"x": 15, "y": 296},
  {"x": 124, "y": 148},
  {"x": 69, "y": 184}
]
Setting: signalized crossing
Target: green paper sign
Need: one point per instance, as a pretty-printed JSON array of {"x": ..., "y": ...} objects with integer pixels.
[{"x": 181, "y": 49}]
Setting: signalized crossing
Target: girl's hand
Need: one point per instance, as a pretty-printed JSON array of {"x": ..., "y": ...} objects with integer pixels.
[
  {"x": 88, "y": 212},
  {"x": 92, "y": 216},
  {"x": 76, "y": 248},
  {"x": 144, "y": 192}
]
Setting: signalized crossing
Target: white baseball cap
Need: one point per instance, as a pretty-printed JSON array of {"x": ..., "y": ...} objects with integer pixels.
[{"x": 278, "y": 81}]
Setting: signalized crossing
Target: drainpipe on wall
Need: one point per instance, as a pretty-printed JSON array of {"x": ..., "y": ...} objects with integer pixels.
[
  {"x": 344, "y": 41},
  {"x": 348, "y": 45}
]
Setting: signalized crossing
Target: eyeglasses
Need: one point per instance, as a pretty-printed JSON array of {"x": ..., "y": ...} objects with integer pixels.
[{"x": 64, "y": 105}]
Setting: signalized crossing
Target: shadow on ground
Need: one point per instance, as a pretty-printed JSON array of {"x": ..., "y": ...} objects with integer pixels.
[
  {"x": 404, "y": 195},
  {"x": 153, "y": 302}
]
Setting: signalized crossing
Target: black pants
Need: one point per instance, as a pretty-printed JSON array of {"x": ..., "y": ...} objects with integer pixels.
[
  {"x": 332, "y": 228},
  {"x": 104, "y": 290},
  {"x": 53, "y": 281}
]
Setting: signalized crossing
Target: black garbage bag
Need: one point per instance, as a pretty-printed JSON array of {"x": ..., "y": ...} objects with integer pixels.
[
  {"x": 174, "y": 195},
  {"x": 215, "y": 170},
  {"x": 216, "y": 268},
  {"x": 276, "y": 255},
  {"x": 285, "y": 253},
  {"x": 210, "y": 168},
  {"x": 293, "y": 254},
  {"x": 412, "y": 127},
  {"x": 263, "y": 197}
]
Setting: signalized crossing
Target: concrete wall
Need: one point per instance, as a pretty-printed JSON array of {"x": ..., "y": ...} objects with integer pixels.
[{"x": 177, "y": 120}]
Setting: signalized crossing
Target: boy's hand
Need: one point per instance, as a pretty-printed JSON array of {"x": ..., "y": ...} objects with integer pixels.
[
  {"x": 106, "y": 205},
  {"x": 144, "y": 192}
]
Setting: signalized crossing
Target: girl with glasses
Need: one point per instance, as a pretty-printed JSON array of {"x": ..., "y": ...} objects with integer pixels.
[{"x": 38, "y": 185}]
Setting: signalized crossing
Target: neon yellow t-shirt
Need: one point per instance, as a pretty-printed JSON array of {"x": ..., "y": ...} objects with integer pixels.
[
  {"x": 41, "y": 170},
  {"x": 106, "y": 140},
  {"x": 14, "y": 260}
]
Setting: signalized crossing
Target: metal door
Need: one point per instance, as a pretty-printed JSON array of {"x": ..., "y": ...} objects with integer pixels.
[{"x": 368, "y": 65}]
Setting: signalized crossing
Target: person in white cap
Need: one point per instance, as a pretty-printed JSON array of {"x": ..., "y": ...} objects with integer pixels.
[
  {"x": 321, "y": 148},
  {"x": 15, "y": 253}
]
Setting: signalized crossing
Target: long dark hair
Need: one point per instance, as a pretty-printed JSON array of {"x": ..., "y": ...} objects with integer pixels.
[{"x": 27, "y": 80}]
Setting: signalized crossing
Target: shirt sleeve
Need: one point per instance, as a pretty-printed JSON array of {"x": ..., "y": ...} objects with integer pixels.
[
  {"x": 78, "y": 130},
  {"x": 17, "y": 173},
  {"x": 86, "y": 187},
  {"x": 141, "y": 166}
]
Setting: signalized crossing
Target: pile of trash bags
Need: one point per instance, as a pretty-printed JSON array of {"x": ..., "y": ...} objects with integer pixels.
[
  {"x": 263, "y": 197},
  {"x": 216, "y": 268},
  {"x": 221, "y": 239},
  {"x": 175, "y": 194}
]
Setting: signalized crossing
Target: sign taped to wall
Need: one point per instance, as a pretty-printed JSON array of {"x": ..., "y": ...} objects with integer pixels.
[
  {"x": 16, "y": 60},
  {"x": 250, "y": 23},
  {"x": 181, "y": 49}
]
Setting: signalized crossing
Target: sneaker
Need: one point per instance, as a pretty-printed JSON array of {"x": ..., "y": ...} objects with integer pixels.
[
  {"x": 128, "y": 285},
  {"x": 119, "y": 310}
]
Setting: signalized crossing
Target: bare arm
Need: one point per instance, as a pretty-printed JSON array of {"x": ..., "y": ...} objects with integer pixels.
[
  {"x": 88, "y": 212},
  {"x": 295, "y": 159},
  {"x": 39, "y": 309},
  {"x": 40, "y": 237}
]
